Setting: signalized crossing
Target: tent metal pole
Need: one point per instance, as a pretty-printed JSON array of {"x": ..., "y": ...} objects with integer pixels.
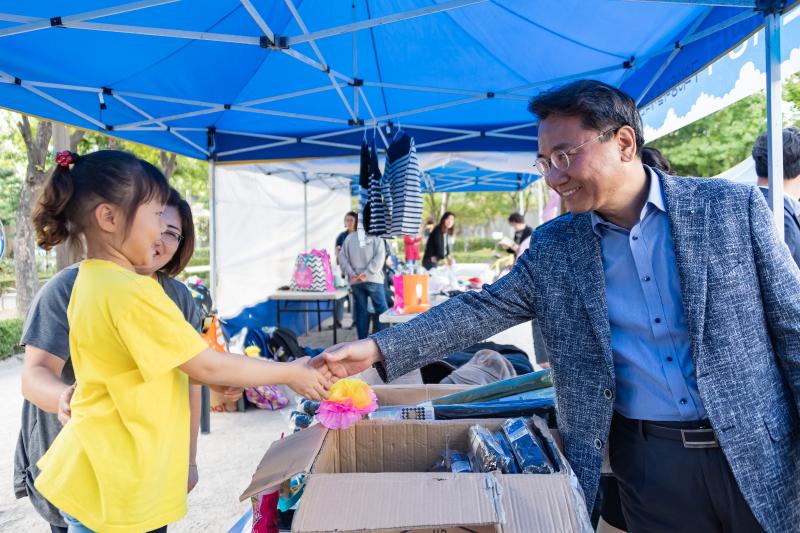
[
  {"x": 772, "y": 30},
  {"x": 381, "y": 21},
  {"x": 671, "y": 58},
  {"x": 452, "y": 139},
  {"x": 148, "y": 115},
  {"x": 741, "y": 17},
  {"x": 521, "y": 201},
  {"x": 62, "y": 105},
  {"x": 305, "y": 212},
  {"x": 431, "y": 108},
  {"x": 251, "y": 134},
  {"x": 318, "y": 53},
  {"x": 258, "y": 19},
  {"x": 40, "y": 24},
  {"x": 372, "y": 115},
  {"x": 553, "y": 81},
  {"x": 257, "y": 147},
  {"x": 729, "y": 3},
  {"x": 212, "y": 229},
  {"x": 439, "y": 90}
]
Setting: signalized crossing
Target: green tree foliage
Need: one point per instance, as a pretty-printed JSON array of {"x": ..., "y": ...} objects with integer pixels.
[
  {"x": 723, "y": 139},
  {"x": 191, "y": 175}
]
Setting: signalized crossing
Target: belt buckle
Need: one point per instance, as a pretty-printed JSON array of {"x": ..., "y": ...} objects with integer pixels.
[{"x": 698, "y": 444}]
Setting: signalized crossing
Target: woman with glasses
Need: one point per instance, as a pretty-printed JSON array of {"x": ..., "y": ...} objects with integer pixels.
[{"x": 47, "y": 376}]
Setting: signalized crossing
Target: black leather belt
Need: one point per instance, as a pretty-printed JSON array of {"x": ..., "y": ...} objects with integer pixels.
[{"x": 697, "y": 435}]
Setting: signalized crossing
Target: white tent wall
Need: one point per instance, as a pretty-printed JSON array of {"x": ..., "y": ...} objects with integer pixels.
[{"x": 260, "y": 229}]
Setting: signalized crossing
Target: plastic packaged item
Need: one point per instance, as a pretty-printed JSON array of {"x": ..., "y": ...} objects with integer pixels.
[
  {"x": 459, "y": 463},
  {"x": 496, "y": 409},
  {"x": 300, "y": 420},
  {"x": 513, "y": 468},
  {"x": 500, "y": 389},
  {"x": 403, "y": 412},
  {"x": 527, "y": 450},
  {"x": 542, "y": 431},
  {"x": 309, "y": 407},
  {"x": 489, "y": 455}
]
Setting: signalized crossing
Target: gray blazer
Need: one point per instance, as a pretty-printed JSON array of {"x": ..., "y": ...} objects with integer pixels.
[{"x": 741, "y": 293}]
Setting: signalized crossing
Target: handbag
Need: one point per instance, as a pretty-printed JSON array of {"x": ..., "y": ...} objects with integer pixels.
[
  {"x": 411, "y": 293},
  {"x": 313, "y": 272}
]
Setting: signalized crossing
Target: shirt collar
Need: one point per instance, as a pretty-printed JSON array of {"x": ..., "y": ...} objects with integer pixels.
[{"x": 655, "y": 198}]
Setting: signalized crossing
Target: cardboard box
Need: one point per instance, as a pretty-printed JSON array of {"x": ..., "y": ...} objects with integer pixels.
[
  {"x": 414, "y": 394},
  {"x": 373, "y": 477}
]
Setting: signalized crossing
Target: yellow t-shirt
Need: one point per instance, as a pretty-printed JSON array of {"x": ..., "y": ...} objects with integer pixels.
[{"x": 121, "y": 463}]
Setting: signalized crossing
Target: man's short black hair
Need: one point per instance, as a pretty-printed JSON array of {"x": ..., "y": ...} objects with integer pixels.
[
  {"x": 791, "y": 154},
  {"x": 600, "y": 107},
  {"x": 516, "y": 218}
]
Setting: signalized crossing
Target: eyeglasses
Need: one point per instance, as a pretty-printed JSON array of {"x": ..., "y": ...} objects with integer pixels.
[
  {"x": 171, "y": 237},
  {"x": 560, "y": 158}
]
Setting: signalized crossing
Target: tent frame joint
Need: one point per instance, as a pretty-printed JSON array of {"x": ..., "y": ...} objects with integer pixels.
[
  {"x": 770, "y": 7},
  {"x": 356, "y": 122},
  {"x": 279, "y": 42},
  {"x": 55, "y": 22},
  {"x": 357, "y": 82},
  {"x": 108, "y": 127},
  {"x": 630, "y": 63}
]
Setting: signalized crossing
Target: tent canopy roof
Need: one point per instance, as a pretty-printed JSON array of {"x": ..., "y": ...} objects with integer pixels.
[{"x": 245, "y": 81}]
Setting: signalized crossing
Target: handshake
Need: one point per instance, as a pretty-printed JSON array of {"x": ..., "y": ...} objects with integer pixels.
[{"x": 312, "y": 377}]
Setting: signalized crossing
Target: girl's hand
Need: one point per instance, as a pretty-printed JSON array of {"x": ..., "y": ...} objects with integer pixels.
[
  {"x": 64, "y": 409},
  {"x": 307, "y": 381}
]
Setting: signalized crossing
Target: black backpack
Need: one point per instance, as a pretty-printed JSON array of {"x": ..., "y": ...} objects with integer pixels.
[{"x": 284, "y": 346}]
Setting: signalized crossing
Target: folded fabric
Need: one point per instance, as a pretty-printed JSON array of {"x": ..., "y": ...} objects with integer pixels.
[{"x": 485, "y": 367}]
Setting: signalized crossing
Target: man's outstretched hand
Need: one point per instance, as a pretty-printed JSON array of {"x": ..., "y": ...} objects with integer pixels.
[{"x": 349, "y": 358}]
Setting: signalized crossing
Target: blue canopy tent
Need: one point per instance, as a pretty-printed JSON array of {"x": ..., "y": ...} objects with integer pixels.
[
  {"x": 234, "y": 81},
  {"x": 244, "y": 81}
]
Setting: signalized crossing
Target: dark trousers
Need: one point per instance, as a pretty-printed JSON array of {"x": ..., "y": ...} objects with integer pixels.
[
  {"x": 665, "y": 487},
  {"x": 361, "y": 293}
]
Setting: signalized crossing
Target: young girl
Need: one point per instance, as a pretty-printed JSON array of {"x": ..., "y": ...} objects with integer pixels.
[
  {"x": 121, "y": 463},
  {"x": 47, "y": 374}
]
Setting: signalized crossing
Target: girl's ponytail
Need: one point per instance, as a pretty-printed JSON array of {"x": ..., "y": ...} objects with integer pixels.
[{"x": 50, "y": 219}]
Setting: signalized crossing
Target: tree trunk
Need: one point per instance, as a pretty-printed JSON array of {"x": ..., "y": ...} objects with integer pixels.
[
  {"x": 445, "y": 204},
  {"x": 24, "y": 241},
  {"x": 71, "y": 251},
  {"x": 434, "y": 207},
  {"x": 169, "y": 163}
]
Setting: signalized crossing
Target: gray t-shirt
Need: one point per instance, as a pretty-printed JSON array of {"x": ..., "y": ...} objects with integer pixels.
[{"x": 46, "y": 328}]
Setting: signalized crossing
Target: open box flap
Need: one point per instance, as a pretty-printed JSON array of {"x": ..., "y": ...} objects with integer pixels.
[{"x": 287, "y": 457}]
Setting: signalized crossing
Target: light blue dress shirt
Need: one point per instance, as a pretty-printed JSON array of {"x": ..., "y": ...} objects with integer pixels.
[{"x": 655, "y": 375}]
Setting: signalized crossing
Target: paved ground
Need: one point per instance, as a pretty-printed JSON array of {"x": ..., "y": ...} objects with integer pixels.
[{"x": 227, "y": 457}]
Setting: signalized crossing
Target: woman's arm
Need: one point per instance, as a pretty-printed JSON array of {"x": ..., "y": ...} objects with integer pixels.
[{"x": 41, "y": 378}]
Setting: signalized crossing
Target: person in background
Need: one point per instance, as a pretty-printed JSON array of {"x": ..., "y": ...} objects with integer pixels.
[
  {"x": 363, "y": 266},
  {"x": 412, "y": 248},
  {"x": 652, "y": 157},
  {"x": 439, "y": 245},
  {"x": 428, "y": 227},
  {"x": 791, "y": 184},
  {"x": 350, "y": 221},
  {"x": 522, "y": 231}
]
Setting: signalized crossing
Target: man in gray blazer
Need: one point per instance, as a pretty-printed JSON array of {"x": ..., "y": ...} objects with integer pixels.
[{"x": 672, "y": 317}]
